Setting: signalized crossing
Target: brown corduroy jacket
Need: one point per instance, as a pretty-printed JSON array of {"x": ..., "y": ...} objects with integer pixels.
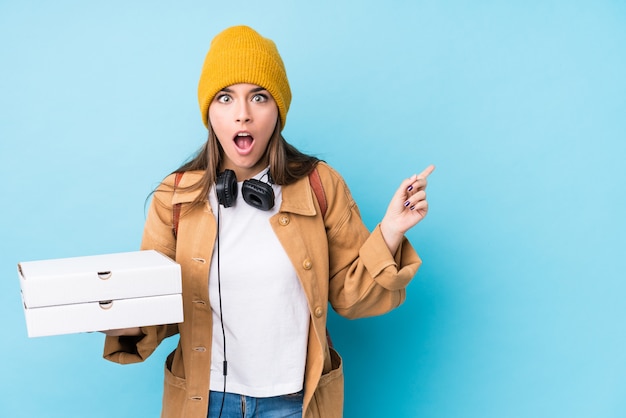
[{"x": 336, "y": 259}]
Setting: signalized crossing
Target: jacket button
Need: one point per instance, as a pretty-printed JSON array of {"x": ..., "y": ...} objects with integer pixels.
[
  {"x": 319, "y": 312},
  {"x": 199, "y": 349},
  {"x": 283, "y": 220},
  {"x": 307, "y": 264}
]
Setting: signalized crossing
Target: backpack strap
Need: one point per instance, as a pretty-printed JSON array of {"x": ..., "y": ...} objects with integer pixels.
[
  {"x": 318, "y": 189},
  {"x": 176, "y": 207}
]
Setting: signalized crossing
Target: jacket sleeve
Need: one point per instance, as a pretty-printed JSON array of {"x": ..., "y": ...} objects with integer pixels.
[
  {"x": 365, "y": 278},
  {"x": 158, "y": 236}
]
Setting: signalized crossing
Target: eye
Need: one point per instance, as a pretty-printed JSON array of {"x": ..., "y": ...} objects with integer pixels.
[
  {"x": 259, "y": 98},
  {"x": 223, "y": 98}
]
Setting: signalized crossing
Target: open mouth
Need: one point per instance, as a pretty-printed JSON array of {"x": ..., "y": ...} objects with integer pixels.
[{"x": 243, "y": 140}]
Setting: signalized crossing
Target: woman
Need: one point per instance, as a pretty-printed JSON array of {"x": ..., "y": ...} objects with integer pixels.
[{"x": 261, "y": 258}]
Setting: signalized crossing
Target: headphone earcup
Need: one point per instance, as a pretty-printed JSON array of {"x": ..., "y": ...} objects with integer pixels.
[
  {"x": 258, "y": 194},
  {"x": 226, "y": 188}
]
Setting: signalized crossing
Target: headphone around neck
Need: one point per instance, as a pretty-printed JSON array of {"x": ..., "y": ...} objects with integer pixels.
[{"x": 255, "y": 192}]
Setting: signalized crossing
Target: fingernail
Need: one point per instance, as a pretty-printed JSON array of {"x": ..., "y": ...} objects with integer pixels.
[
  {"x": 412, "y": 208},
  {"x": 407, "y": 203},
  {"x": 409, "y": 188}
]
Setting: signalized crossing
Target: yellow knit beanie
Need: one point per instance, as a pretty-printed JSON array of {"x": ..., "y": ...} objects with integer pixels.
[{"x": 240, "y": 55}]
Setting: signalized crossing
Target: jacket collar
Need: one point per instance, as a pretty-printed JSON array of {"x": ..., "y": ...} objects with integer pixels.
[
  {"x": 181, "y": 195},
  {"x": 297, "y": 197}
]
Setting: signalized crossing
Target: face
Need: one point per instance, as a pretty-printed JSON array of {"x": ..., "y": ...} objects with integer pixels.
[{"x": 243, "y": 117}]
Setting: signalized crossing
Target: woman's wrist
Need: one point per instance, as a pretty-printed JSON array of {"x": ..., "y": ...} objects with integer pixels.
[{"x": 392, "y": 237}]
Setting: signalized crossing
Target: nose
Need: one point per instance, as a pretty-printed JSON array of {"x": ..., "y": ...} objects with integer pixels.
[{"x": 243, "y": 114}]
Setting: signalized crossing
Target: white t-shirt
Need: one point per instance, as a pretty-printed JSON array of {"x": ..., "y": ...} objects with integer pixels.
[{"x": 265, "y": 312}]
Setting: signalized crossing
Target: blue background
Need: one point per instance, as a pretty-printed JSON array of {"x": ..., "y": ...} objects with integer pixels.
[{"x": 518, "y": 310}]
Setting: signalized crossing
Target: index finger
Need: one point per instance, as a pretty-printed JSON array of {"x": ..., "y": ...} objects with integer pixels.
[{"x": 427, "y": 171}]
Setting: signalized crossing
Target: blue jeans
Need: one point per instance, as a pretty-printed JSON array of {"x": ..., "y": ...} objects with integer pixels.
[{"x": 239, "y": 406}]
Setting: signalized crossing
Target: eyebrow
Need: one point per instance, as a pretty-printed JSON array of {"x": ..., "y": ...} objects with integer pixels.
[{"x": 254, "y": 90}]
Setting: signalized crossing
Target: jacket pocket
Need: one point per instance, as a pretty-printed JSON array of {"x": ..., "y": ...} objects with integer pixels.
[
  {"x": 174, "y": 392},
  {"x": 327, "y": 400}
]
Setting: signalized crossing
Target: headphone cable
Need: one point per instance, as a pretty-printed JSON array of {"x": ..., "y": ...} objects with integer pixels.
[{"x": 219, "y": 292}]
